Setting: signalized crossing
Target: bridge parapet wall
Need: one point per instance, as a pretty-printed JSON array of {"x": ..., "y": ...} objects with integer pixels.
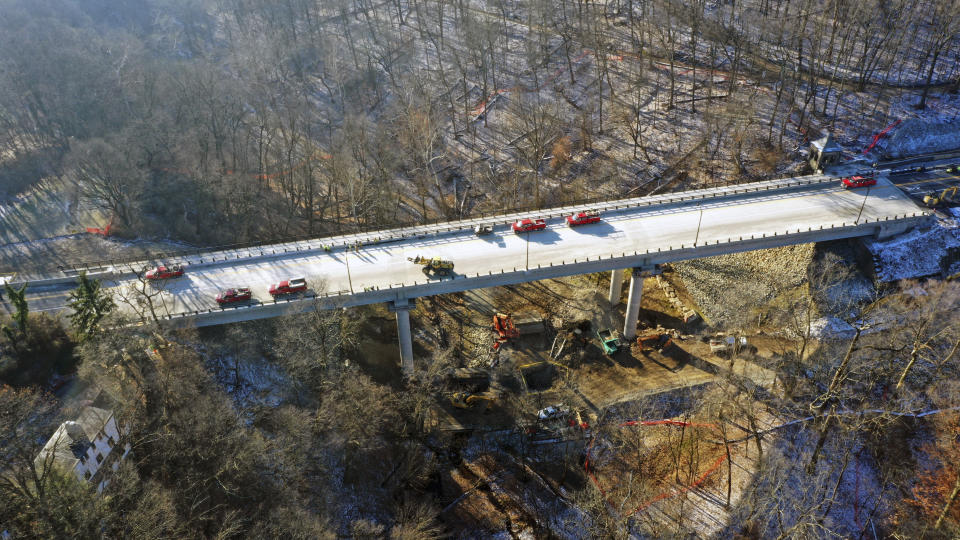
[{"x": 512, "y": 276}]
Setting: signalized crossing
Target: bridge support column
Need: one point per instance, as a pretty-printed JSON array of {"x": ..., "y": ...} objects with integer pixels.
[
  {"x": 633, "y": 305},
  {"x": 633, "y": 300},
  {"x": 616, "y": 286},
  {"x": 402, "y": 309}
]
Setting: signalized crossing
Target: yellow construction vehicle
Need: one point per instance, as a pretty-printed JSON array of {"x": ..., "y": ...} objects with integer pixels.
[
  {"x": 935, "y": 200},
  {"x": 466, "y": 400},
  {"x": 434, "y": 265}
]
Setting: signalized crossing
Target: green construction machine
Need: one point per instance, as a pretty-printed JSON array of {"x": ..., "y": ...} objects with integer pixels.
[{"x": 609, "y": 340}]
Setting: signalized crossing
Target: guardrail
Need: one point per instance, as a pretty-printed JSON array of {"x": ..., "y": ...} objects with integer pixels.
[
  {"x": 428, "y": 287},
  {"x": 206, "y": 257}
]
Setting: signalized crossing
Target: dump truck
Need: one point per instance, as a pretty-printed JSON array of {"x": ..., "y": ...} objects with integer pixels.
[
  {"x": 434, "y": 265},
  {"x": 609, "y": 340}
]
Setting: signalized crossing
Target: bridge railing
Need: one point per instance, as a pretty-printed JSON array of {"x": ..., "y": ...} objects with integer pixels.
[
  {"x": 225, "y": 253},
  {"x": 382, "y": 294}
]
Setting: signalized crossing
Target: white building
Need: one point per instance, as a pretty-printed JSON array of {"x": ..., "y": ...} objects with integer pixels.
[{"x": 85, "y": 446}]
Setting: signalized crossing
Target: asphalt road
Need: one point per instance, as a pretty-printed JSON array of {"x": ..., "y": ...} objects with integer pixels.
[
  {"x": 627, "y": 230},
  {"x": 933, "y": 181}
]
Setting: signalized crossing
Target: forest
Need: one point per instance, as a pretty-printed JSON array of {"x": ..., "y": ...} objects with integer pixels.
[{"x": 215, "y": 122}]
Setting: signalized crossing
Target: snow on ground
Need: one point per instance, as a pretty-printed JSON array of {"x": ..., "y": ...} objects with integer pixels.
[
  {"x": 918, "y": 253},
  {"x": 251, "y": 381},
  {"x": 922, "y": 135},
  {"x": 831, "y": 328}
]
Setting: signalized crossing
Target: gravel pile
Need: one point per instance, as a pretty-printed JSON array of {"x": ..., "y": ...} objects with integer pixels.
[
  {"x": 726, "y": 288},
  {"x": 482, "y": 340}
]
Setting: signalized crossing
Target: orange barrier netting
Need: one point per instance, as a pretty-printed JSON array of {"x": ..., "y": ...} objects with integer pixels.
[
  {"x": 104, "y": 231},
  {"x": 666, "y": 494},
  {"x": 878, "y": 136}
]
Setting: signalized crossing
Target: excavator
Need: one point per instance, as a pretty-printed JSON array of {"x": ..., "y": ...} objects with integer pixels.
[
  {"x": 656, "y": 341},
  {"x": 505, "y": 329},
  {"x": 934, "y": 200},
  {"x": 466, "y": 400},
  {"x": 434, "y": 265}
]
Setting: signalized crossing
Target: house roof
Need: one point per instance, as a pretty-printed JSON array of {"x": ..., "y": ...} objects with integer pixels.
[
  {"x": 71, "y": 440},
  {"x": 67, "y": 445},
  {"x": 92, "y": 420},
  {"x": 826, "y": 144}
]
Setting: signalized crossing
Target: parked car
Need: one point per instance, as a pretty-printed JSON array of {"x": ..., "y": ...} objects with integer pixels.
[
  {"x": 583, "y": 218},
  {"x": 553, "y": 411},
  {"x": 236, "y": 294},
  {"x": 528, "y": 224},
  {"x": 859, "y": 180},
  {"x": 164, "y": 272},
  {"x": 289, "y": 286},
  {"x": 483, "y": 229}
]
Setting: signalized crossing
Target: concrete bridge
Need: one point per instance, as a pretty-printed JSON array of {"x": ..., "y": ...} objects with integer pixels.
[{"x": 636, "y": 234}]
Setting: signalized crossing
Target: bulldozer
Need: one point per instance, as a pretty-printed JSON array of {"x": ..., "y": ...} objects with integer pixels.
[
  {"x": 434, "y": 265},
  {"x": 466, "y": 400},
  {"x": 934, "y": 200},
  {"x": 505, "y": 329}
]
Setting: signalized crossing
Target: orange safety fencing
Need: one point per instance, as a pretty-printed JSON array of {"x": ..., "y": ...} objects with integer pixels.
[
  {"x": 101, "y": 231},
  {"x": 882, "y": 134}
]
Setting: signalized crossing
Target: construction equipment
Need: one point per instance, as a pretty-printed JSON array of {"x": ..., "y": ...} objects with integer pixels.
[
  {"x": 434, "y": 265},
  {"x": 466, "y": 400},
  {"x": 609, "y": 340},
  {"x": 652, "y": 342},
  {"x": 505, "y": 329},
  {"x": 946, "y": 195},
  {"x": 720, "y": 343}
]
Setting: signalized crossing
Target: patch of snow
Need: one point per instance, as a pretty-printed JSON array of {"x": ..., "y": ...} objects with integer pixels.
[
  {"x": 922, "y": 135},
  {"x": 918, "y": 253},
  {"x": 831, "y": 328}
]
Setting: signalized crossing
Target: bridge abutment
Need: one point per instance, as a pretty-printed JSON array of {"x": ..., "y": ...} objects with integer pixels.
[{"x": 404, "y": 337}]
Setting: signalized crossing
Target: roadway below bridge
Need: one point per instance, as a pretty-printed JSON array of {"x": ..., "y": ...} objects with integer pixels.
[{"x": 687, "y": 225}]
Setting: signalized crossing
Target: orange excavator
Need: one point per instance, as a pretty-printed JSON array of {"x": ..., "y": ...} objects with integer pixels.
[{"x": 505, "y": 329}]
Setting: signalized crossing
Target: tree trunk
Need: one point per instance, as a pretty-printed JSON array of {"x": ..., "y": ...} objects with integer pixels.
[{"x": 949, "y": 503}]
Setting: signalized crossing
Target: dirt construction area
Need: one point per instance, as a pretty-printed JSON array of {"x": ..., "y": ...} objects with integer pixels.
[{"x": 563, "y": 361}]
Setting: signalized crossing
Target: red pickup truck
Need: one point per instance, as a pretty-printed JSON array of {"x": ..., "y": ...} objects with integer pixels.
[
  {"x": 859, "y": 180},
  {"x": 237, "y": 294},
  {"x": 528, "y": 224},
  {"x": 164, "y": 272},
  {"x": 292, "y": 285},
  {"x": 583, "y": 218}
]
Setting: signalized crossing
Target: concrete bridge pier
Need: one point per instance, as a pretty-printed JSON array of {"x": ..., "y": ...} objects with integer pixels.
[
  {"x": 402, "y": 309},
  {"x": 616, "y": 286},
  {"x": 634, "y": 296}
]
